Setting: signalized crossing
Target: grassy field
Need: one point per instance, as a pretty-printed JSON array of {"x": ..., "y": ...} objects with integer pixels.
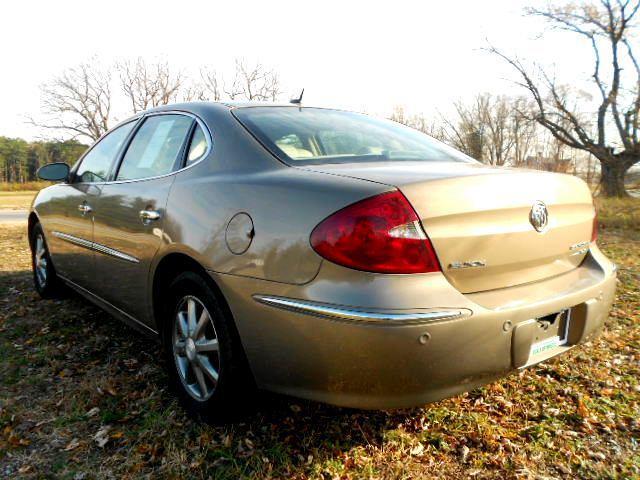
[
  {"x": 21, "y": 187},
  {"x": 16, "y": 200},
  {"x": 81, "y": 396}
]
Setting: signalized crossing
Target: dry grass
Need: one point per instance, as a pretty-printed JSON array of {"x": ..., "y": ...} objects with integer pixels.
[
  {"x": 69, "y": 371},
  {"x": 17, "y": 200},
  {"x": 21, "y": 187}
]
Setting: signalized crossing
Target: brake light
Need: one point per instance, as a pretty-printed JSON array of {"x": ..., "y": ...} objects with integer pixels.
[
  {"x": 379, "y": 234},
  {"x": 594, "y": 228}
]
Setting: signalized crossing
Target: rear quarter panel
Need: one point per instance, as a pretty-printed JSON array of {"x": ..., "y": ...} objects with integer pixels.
[{"x": 284, "y": 203}]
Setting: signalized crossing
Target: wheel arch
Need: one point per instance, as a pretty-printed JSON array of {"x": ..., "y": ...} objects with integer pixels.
[
  {"x": 168, "y": 268},
  {"x": 31, "y": 222}
]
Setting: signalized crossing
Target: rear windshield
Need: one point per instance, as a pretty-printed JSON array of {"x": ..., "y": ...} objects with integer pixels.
[{"x": 316, "y": 135}]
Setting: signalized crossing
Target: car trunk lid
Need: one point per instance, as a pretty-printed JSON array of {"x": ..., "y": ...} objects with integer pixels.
[{"x": 478, "y": 218}]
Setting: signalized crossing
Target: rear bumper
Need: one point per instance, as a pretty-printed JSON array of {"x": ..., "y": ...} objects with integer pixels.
[{"x": 385, "y": 362}]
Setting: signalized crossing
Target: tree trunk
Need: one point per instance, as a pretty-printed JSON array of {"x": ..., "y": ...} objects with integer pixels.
[{"x": 612, "y": 176}]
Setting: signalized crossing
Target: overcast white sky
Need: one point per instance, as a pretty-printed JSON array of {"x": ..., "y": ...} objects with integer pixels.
[{"x": 367, "y": 56}]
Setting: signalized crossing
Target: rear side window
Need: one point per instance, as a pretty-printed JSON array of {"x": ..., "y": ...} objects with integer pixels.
[
  {"x": 197, "y": 146},
  {"x": 155, "y": 148},
  {"x": 96, "y": 164}
]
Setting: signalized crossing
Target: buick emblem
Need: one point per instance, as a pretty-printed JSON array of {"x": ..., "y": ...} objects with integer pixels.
[{"x": 539, "y": 216}]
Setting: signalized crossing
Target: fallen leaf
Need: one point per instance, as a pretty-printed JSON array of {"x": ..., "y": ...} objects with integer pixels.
[
  {"x": 72, "y": 445},
  {"x": 583, "y": 411},
  {"x": 464, "y": 453},
  {"x": 93, "y": 412},
  {"x": 102, "y": 436},
  {"x": 417, "y": 451}
]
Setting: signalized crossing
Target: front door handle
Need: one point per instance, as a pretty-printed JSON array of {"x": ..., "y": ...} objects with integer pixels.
[
  {"x": 148, "y": 215},
  {"x": 84, "y": 208}
]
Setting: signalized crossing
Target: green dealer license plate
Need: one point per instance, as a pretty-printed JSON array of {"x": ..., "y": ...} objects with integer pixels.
[{"x": 546, "y": 344}]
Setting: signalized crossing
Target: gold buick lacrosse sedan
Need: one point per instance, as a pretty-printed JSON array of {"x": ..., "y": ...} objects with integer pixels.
[{"x": 320, "y": 253}]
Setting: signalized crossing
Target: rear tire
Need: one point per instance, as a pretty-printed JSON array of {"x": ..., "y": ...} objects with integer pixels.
[
  {"x": 204, "y": 358},
  {"x": 45, "y": 280}
]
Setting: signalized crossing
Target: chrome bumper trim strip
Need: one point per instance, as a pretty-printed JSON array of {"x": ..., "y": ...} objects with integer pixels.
[
  {"x": 336, "y": 312},
  {"x": 97, "y": 247}
]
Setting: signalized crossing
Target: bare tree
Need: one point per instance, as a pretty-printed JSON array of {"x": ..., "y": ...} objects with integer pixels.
[
  {"x": 495, "y": 116},
  {"x": 466, "y": 132},
  {"x": 605, "y": 25},
  {"x": 207, "y": 88},
  {"x": 399, "y": 115},
  {"x": 148, "y": 85},
  {"x": 194, "y": 92},
  {"x": 78, "y": 101},
  {"x": 523, "y": 131},
  {"x": 493, "y": 129},
  {"x": 548, "y": 153},
  {"x": 417, "y": 121},
  {"x": 211, "y": 83},
  {"x": 482, "y": 129},
  {"x": 253, "y": 82}
]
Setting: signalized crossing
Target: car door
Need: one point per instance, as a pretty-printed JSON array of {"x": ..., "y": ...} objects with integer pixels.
[
  {"x": 68, "y": 215},
  {"x": 129, "y": 213}
]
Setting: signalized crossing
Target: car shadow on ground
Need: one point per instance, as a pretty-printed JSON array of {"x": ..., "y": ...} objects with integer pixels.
[{"x": 70, "y": 369}]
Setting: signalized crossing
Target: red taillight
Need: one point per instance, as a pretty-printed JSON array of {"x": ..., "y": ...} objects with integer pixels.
[
  {"x": 594, "y": 228},
  {"x": 379, "y": 234}
]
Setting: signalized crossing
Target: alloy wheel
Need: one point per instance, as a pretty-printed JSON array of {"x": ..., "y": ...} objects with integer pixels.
[
  {"x": 40, "y": 261},
  {"x": 195, "y": 348}
]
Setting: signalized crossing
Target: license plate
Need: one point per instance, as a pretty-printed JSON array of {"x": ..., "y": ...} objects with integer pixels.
[{"x": 545, "y": 345}]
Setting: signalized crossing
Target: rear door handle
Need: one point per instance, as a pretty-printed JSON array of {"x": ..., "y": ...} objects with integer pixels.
[
  {"x": 148, "y": 215},
  {"x": 84, "y": 208}
]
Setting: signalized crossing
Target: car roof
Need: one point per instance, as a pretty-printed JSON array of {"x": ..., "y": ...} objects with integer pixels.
[
  {"x": 227, "y": 105},
  {"x": 205, "y": 109},
  {"x": 251, "y": 103},
  {"x": 223, "y": 105}
]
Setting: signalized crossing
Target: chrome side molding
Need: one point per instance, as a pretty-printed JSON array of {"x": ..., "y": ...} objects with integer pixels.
[
  {"x": 114, "y": 253},
  {"x": 75, "y": 240},
  {"x": 97, "y": 247},
  {"x": 348, "y": 314}
]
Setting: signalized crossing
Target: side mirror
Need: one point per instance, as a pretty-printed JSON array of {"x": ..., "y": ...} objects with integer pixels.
[{"x": 54, "y": 172}]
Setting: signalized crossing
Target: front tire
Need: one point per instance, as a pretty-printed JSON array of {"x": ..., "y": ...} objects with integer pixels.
[
  {"x": 203, "y": 354},
  {"x": 45, "y": 280}
]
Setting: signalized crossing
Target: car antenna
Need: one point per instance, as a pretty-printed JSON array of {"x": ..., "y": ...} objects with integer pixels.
[{"x": 297, "y": 101}]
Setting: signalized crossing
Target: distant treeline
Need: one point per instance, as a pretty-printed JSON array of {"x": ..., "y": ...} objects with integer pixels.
[{"x": 19, "y": 159}]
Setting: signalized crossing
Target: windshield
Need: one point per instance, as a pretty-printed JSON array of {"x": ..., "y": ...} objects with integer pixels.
[{"x": 315, "y": 135}]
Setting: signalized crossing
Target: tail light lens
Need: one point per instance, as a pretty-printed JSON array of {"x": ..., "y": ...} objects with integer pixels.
[
  {"x": 379, "y": 234},
  {"x": 594, "y": 228}
]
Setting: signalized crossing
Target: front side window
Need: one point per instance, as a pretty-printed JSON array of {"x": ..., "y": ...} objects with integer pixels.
[
  {"x": 155, "y": 148},
  {"x": 96, "y": 164},
  {"x": 315, "y": 135}
]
